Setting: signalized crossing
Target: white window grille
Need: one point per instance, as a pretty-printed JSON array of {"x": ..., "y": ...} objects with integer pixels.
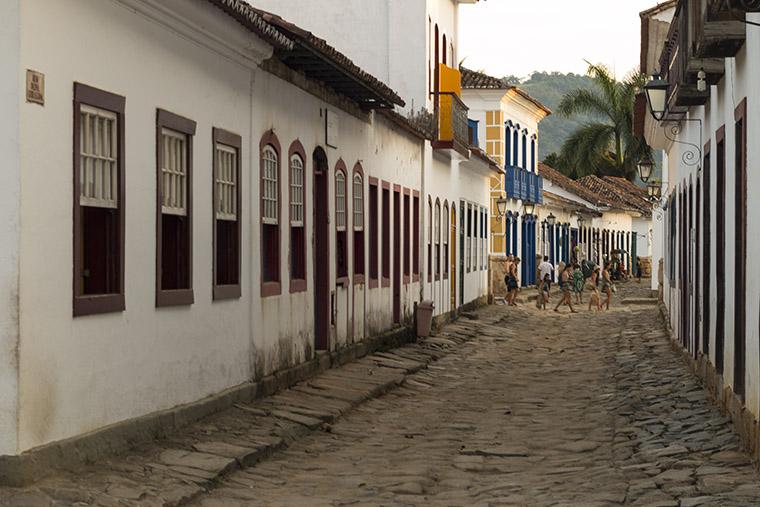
[
  {"x": 226, "y": 182},
  {"x": 340, "y": 201},
  {"x": 358, "y": 202},
  {"x": 270, "y": 213},
  {"x": 98, "y": 162},
  {"x": 296, "y": 191},
  {"x": 173, "y": 172}
]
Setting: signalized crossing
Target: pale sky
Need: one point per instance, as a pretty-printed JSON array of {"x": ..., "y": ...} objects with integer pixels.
[{"x": 519, "y": 36}]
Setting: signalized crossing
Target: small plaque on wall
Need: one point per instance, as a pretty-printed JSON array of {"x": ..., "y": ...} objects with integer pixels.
[
  {"x": 35, "y": 87},
  {"x": 331, "y": 129}
]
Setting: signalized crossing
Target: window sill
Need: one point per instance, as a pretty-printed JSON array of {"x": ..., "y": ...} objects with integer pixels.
[
  {"x": 269, "y": 289},
  {"x": 342, "y": 281},
  {"x": 297, "y": 285},
  {"x": 181, "y": 297},
  {"x": 373, "y": 283},
  {"x": 97, "y": 304},
  {"x": 358, "y": 279},
  {"x": 222, "y": 292},
  {"x": 386, "y": 282}
]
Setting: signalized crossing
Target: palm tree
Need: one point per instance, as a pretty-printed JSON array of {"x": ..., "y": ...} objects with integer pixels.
[{"x": 606, "y": 145}]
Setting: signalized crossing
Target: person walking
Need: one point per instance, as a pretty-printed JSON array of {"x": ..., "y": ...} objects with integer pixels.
[
  {"x": 512, "y": 283},
  {"x": 544, "y": 269},
  {"x": 607, "y": 285},
  {"x": 566, "y": 285},
  {"x": 593, "y": 286},
  {"x": 638, "y": 268},
  {"x": 578, "y": 282}
]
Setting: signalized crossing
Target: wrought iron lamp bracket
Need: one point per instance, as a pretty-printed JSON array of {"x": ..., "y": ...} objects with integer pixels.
[{"x": 693, "y": 156}]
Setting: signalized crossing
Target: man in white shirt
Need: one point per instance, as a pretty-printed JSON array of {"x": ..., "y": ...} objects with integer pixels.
[{"x": 546, "y": 268}]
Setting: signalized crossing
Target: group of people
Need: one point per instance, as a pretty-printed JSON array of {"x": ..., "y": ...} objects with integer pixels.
[{"x": 573, "y": 279}]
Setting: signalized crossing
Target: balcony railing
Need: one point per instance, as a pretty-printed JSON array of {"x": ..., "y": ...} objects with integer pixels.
[
  {"x": 453, "y": 127},
  {"x": 524, "y": 185},
  {"x": 718, "y": 28}
]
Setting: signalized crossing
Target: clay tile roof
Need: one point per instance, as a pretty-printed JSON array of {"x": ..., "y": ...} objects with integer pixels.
[
  {"x": 618, "y": 198},
  {"x": 569, "y": 204},
  {"x": 569, "y": 184},
  {"x": 474, "y": 80},
  {"x": 252, "y": 20},
  {"x": 305, "y": 52},
  {"x": 479, "y": 80},
  {"x": 631, "y": 192}
]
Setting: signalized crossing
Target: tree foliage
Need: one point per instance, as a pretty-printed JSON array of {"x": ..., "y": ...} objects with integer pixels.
[{"x": 606, "y": 144}]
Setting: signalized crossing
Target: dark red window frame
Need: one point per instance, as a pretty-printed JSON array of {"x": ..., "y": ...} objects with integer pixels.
[
  {"x": 446, "y": 233},
  {"x": 227, "y": 234},
  {"x": 430, "y": 241},
  {"x": 341, "y": 237},
  {"x": 437, "y": 239},
  {"x": 298, "y": 281},
  {"x": 359, "y": 260},
  {"x": 270, "y": 233},
  {"x": 374, "y": 232},
  {"x": 415, "y": 236},
  {"x": 112, "y": 299},
  {"x": 407, "y": 235},
  {"x": 386, "y": 229},
  {"x": 174, "y": 235}
]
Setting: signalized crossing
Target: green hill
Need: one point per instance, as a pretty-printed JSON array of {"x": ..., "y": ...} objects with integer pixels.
[{"x": 549, "y": 88}]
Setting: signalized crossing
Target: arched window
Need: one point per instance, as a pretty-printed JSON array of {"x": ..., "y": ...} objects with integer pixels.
[
  {"x": 437, "y": 239},
  {"x": 524, "y": 150},
  {"x": 533, "y": 155},
  {"x": 515, "y": 146},
  {"x": 358, "y": 195},
  {"x": 507, "y": 144},
  {"x": 430, "y": 239},
  {"x": 297, "y": 208},
  {"x": 341, "y": 244},
  {"x": 445, "y": 48},
  {"x": 270, "y": 215},
  {"x": 445, "y": 231},
  {"x": 437, "y": 60}
]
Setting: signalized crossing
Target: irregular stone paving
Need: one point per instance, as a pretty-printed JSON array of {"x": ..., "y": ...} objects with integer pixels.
[
  {"x": 177, "y": 469},
  {"x": 533, "y": 409},
  {"x": 540, "y": 410}
]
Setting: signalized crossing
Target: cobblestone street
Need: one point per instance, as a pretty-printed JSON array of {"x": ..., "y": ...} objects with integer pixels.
[
  {"x": 527, "y": 408},
  {"x": 540, "y": 409}
]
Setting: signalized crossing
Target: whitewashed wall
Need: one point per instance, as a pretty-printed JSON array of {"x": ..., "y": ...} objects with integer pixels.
[
  {"x": 10, "y": 177},
  {"x": 78, "y": 375},
  {"x": 741, "y": 75}
]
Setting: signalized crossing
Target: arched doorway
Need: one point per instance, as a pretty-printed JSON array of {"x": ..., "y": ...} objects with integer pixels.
[{"x": 322, "y": 299}]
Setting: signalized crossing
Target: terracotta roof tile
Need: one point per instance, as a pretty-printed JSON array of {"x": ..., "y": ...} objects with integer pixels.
[
  {"x": 292, "y": 40},
  {"x": 617, "y": 196},
  {"x": 571, "y": 185},
  {"x": 474, "y": 80}
]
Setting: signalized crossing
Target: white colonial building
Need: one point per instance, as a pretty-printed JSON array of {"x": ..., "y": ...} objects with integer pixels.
[
  {"x": 708, "y": 55},
  {"x": 507, "y": 119},
  {"x": 197, "y": 194}
]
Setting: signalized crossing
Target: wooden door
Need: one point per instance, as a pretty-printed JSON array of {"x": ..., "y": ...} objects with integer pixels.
[
  {"x": 322, "y": 298},
  {"x": 397, "y": 255},
  {"x": 720, "y": 229},
  {"x": 453, "y": 256}
]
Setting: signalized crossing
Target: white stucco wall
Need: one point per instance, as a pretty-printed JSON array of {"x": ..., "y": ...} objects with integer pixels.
[
  {"x": 739, "y": 81},
  {"x": 80, "y": 374},
  {"x": 11, "y": 79},
  {"x": 384, "y": 37}
]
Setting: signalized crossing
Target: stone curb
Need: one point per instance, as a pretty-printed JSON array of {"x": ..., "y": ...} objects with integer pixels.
[{"x": 250, "y": 424}]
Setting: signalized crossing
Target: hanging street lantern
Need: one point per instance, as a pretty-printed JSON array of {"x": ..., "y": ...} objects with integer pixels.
[
  {"x": 646, "y": 167},
  {"x": 657, "y": 93},
  {"x": 529, "y": 208},
  {"x": 551, "y": 219}
]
